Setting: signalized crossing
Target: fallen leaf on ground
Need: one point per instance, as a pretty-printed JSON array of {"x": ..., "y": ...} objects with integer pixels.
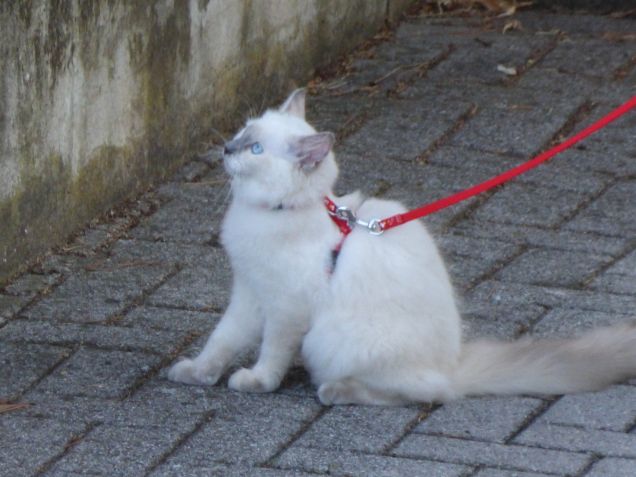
[
  {"x": 505, "y": 8},
  {"x": 508, "y": 70},
  {"x": 8, "y": 407},
  {"x": 624, "y": 14},
  {"x": 618, "y": 37},
  {"x": 512, "y": 25}
]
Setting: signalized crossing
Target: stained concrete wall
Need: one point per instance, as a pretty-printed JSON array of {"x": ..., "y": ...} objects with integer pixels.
[{"x": 100, "y": 98}]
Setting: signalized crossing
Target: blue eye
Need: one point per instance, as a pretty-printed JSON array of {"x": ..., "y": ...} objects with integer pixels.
[{"x": 256, "y": 148}]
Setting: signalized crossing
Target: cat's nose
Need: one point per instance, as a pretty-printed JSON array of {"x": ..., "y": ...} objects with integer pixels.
[{"x": 229, "y": 148}]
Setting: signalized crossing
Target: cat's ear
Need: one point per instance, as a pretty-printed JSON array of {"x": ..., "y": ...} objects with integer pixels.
[
  {"x": 311, "y": 150},
  {"x": 295, "y": 104}
]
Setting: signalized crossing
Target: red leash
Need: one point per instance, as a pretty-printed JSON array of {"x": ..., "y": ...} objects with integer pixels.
[{"x": 346, "y": 219}]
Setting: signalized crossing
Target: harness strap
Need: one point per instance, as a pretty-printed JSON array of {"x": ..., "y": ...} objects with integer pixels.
[{"x": 345, "y": 219}]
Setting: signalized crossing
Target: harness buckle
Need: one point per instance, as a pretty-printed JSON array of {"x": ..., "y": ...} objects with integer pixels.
[
  {"x": 374, "y": 226},
  {"x": 346, "y": 214}
]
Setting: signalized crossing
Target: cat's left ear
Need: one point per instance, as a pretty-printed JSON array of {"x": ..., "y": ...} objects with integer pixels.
[
  {"x": 311, "y": 150},
  {"x": 295, "y": 104}
]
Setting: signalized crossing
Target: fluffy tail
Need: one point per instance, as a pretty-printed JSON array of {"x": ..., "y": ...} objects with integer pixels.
[{"x": 594, "y": 360}]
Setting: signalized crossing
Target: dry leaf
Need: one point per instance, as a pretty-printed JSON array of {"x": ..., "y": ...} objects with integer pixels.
[
  {"x": 512, "y": 25},
  {"x": 504, "y": 7},
  {"x": 8, "y": 407},
  {"x": 508, "y": 70},
  {"x": 619, "y": 37},
  {"x": 624, "y": 14}
]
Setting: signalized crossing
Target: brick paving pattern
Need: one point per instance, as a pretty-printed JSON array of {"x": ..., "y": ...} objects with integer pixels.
[{"x": 87, "y": 335}]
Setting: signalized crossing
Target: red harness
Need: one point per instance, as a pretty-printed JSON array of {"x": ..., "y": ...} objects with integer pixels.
[{"x": 345, "y": 219}]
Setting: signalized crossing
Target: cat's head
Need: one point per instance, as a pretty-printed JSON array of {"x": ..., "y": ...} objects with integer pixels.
[{"x": 278, "y": 159}]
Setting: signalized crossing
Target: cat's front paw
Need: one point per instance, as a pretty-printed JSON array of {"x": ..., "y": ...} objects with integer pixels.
[
  {"x": 247, "y": 380},
  {"x": 187, "y": 371}
]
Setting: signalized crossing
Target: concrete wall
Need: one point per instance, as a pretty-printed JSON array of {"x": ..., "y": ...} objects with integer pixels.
[{"x": 100, "y": 98}]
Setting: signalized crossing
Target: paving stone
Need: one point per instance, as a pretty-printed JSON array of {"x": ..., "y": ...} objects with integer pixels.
[
  {"x": 386, "y": 69},
  {"x": 22, "y": 365},
  {"x": 492, "y": 419},
  {"x": 609, "y": 151},
  {"x": 89, "y": 240},
  {"x": 99, "y": 295},
  {"x": 223, "y": 470},
  {"x": 574, "y": 25},
  {"x": 155, "y": 408},
  {"x": 247, "y": 429},
  {"x": 191, "y": 399},
  {"x": 162, "y": 342},
  {"x": 58, "y": 473},
  {"x": 493, "y": 291},
  {"x": 417, "y": 32},
  {"x": 530, "y": 205},
  {"x": 168, "y": 253},
  {"x": 594, "y": 57},
  {"x": 331, "y": 113},
  {"x": 619, "y": 278},
  {"x": 543, "y": 113},
  {"x": 567, "y": 322},
  {"x": 511, "y": 457},
  {"x": 358, "y": 428},
  {"x": 30, "y": 284},
  {"x": 193, "y": 216},
  {"x": 610, "y": 214},
  {"x": 490, "y": 251},
  {"x": 539, "y": 237},
  {"x": 28, "y": 444},
  {"x": 611, "y": 409},
  {"x": 345, "y": 463},
  {"x": 613, "y": 466},
  {"x": 612, "y": 94},
  {"x": 117, "y": 451},
  {"x": 97, "y": 373},
  {"x": 10, "y": 305},
  {"x": 557, "y": 81},
  {"x": 468, "y": 65},
  {"x": 490, "y": 472},
  {"x": 79, "y": 412},
  {"x": 575, "y": 439},
  {"x": 553, "y": 267},
  {"x": 567, "y": 172},
  {"x": 497, "y": 320},
  {"x": 406, "y": 129},
  {"x": 614, "y": 283},
  {"x": 206, "y": 289},
  {"x": 468, "y": 259},
  {"x": 172, "y": 319},
  {"x": 64, "y": 264}
]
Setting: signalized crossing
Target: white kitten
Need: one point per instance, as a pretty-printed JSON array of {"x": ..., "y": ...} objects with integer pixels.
[{"x": 381, "y": 327}]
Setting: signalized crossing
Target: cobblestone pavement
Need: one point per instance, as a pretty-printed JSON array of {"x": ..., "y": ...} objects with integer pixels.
[{"x": 87, "y": 335}]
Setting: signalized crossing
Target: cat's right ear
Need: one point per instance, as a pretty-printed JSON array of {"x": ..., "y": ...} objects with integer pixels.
[
  {"x": 311, "y": 150},
  {"x": 295, "y": 104}
]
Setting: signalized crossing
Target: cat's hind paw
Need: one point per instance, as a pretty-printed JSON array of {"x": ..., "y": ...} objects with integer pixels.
[
  {"x": 249, "y": 381},
  {"x": 334, "y": 393},
  {"x": 186, "y": 371}
]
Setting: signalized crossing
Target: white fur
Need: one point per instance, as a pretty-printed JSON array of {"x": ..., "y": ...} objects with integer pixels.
[{"x": 383, "y": 328}]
